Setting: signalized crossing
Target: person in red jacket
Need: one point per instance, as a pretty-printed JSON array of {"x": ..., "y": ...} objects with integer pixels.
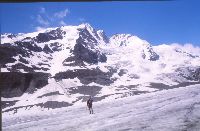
[{"x": 89, "y": 104}]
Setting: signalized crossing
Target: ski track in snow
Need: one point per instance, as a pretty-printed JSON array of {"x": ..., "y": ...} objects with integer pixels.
[{"x": 169, "y": 110}]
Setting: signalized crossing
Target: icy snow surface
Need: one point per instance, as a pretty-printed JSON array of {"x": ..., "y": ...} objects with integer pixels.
[{"x": 169, "y": 110}]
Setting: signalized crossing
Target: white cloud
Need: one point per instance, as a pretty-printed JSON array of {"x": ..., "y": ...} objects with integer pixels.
[
  {"x": 61, "y": 14},
  {"x": 39, "y": 28},
  {"x": 42, "y": 21},
  {"x": 42, "y": 10},
  {"x": 62, "y": 23},
  {"x": 188, "y": 47}
]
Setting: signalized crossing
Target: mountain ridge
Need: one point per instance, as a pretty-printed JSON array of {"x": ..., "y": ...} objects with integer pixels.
[{"x": 78, "y": 61}]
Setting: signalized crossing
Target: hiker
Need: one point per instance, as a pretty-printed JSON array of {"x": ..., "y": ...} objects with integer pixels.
[{"x": 89, "y": 104}]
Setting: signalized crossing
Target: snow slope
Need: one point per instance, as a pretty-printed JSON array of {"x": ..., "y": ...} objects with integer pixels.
[{"x": 169, "y": 110}]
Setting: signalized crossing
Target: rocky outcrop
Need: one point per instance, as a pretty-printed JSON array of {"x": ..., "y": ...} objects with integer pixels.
[
  {"x": 153, "y": 56},
  {"x": 14, "y": 84},
  {"x": 46, "y": 49},
  {"x": 56, "y": 46},
  {"x": 190, "y": 73},
  {"x": 51, "y": 35},
  {"x": 6, "y": 54},
  {"x": 20, "y": 48},
  {"x": 102, "y": 36},
  {"x": 83, "y": 53},
  {"x": 87, "y": 76},
  {"x": 86, "y": 48},
  {"x": 29, "y": 46}
]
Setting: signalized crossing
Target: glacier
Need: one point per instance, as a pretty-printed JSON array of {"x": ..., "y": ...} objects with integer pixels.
[{"x": 174, "y": 110}]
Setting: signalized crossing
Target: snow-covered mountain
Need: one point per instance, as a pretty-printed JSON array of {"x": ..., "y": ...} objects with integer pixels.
[{"x": 59, "y": 67}]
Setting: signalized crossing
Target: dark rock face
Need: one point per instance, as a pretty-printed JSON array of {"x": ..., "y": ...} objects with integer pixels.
[
  {"x": 42, "y": 37},
  {"x": 6, "y": 54},
  {"x": 48, "y": 104},
  {"x": 27, "y": 38},
  {"x": 21, "y": 49},
  {"x": 56, "y": 46},
  {"x": 52, "y": 35},
  {"x": 46, "y": 49},
  {"x": 134, "y": 76},
  {"x": 50, "y": 94},
  {"x": 21, "y": 59},
  {"x": 85, "y": 35},
  {"x": 5, "y": 104},
  {"x": 196, "y": 74},
  {"x": 16, "y": 67},
  {"x": 73, "y": 61},
  {"x": 40, "y": 64},
  {"x": 153, "y": 55},
  {"x": 103, "y": 36},
  {"x": 190, "y": 73},
  {"x": 37, "y": 68},
  {"x": 85, "y": 90},
  {"x": 85, "y": 48},
  {"x": 30, "y": 46},
  {"x": 161, "y": 86},
  {"x": 122, "y": 72},
  {"x": 102, "y": 58},
  {"x": 14, "y": 84},
  {"x": 186, "y": 53},
  {"x": 54, "y": 104},
  {"x": 11, "y": 36},
  {"x": 83, "y": 53},
  {"x": 87, "y": 76}
]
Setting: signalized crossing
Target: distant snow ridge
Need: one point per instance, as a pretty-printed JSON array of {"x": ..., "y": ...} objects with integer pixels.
[
  {"x": 142, "y": 47},
  {"x": 62, "y": 66}
]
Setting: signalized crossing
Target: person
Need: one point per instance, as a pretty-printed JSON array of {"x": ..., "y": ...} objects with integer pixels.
[{"x": 89, "y": 105}]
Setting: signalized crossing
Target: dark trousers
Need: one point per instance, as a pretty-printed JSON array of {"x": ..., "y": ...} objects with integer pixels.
[{"x": 91, "y": 110}]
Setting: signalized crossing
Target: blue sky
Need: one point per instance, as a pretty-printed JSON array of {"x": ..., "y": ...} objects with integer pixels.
[{"x": 157, "y": 22}]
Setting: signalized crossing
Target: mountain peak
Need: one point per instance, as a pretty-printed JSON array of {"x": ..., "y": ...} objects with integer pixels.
[
  {"x": 127, "y": 40},
  {"x": 86, "y": 25}
]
